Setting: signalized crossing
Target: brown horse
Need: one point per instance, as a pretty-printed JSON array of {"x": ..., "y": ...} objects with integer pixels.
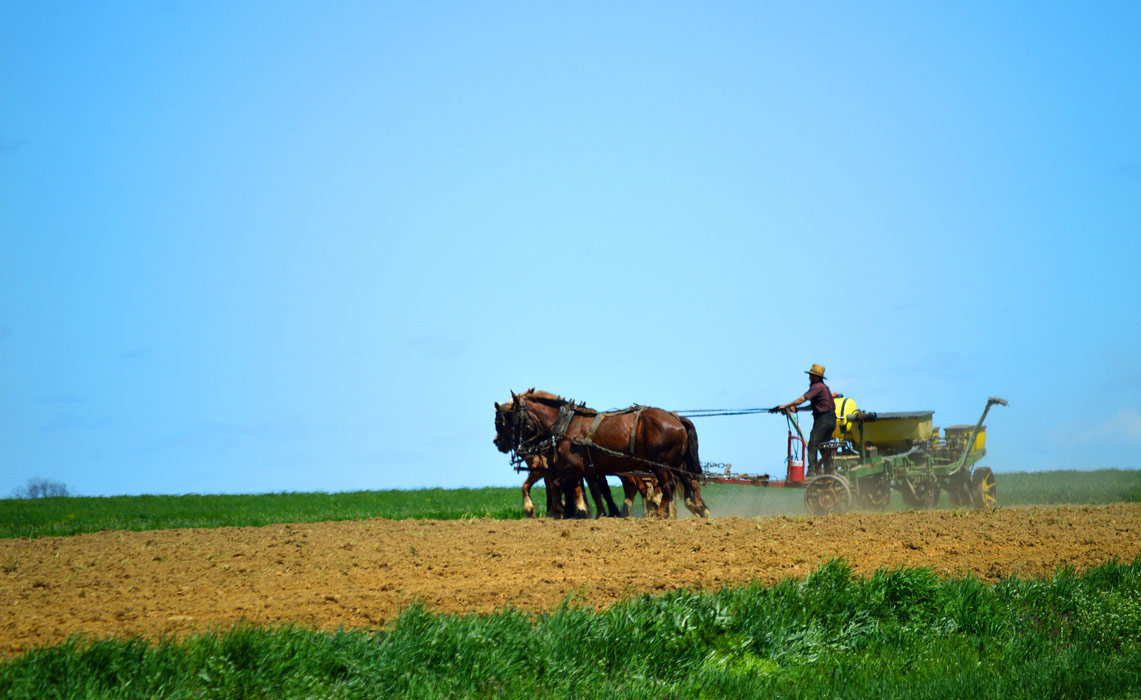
[
  {"x": 565, "y": 496},
  {"x": 583, "y": 443}
]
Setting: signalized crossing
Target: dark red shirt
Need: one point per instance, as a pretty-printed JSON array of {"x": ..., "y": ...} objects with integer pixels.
[{"x": 821, "y": 397}]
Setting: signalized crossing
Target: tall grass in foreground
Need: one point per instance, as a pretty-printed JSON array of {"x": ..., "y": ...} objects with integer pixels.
[
  {"x": 70, "y": 516},
  {"x": 902, "y": 633}
]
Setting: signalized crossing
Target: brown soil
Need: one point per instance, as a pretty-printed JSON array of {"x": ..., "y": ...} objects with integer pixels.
[{"x": 361, "y": 573}]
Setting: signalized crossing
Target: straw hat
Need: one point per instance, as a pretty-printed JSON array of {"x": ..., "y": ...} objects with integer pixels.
[{"x": 817, "y": 371}]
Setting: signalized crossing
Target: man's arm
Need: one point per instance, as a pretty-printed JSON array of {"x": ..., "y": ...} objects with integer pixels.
[
  {"x": 790, "y": 404},
  {"x": 809, "y": 395}
]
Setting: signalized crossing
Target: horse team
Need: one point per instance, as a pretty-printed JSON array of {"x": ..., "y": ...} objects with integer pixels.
[{"x": 652, "y": 451}]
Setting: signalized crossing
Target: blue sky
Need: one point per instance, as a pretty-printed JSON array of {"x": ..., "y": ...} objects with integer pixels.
[{"x": 250, "y": 247}]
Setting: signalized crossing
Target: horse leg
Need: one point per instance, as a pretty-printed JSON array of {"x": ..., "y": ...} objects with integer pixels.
[
  {"x": 569, "y": 498},
  {"x": 596, "y": 494},
  {"x": 629, "y": 490},
  {"x": 528, "y": 505},
  {"x": 582, "y": 487},
  {"x": 647, "y": 488},
  {"x": 669, "y": 500},
  {"x": 693, "y": 499},
  {"x": 569, "y": 469},
  {"x": 693, "y": 496},
  {"x": 576, "y": 504},
  {"x": 555, "y": 505},
  {"x": 555, "y": 497},
  {"x": 651, "y": 497},
  {"x": 611, "y": 507},
  {"x": 600, "y": 491},
  {"x": 666, "y": 488},
  {"x": 573, "y": 497}
]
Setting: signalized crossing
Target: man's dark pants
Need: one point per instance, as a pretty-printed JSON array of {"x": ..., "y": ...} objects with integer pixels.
[{"x": 822, "y": 427}]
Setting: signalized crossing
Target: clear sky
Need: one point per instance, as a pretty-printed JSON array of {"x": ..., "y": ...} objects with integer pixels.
[{"x": 287, "y": 246}]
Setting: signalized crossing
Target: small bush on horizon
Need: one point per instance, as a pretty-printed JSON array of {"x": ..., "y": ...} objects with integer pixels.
[{"x": 39, "y": 487}]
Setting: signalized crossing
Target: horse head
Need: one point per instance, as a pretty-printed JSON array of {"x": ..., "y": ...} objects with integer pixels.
[
  {"x": 505, "y": 434},
  {"x": 517, "y": 427}
]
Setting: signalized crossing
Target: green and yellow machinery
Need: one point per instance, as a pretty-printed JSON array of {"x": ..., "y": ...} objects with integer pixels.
[{"x": 872, "y": 454}]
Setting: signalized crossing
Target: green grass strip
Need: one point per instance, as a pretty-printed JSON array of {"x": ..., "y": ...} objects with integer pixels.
[
  {"x": 75, "y": 515},
  {"x": 903, "y": 633},
  {"x": 79, "y": 514}
]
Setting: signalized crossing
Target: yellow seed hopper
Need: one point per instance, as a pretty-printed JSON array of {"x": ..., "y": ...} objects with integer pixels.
[
  {"x": 957, "y": 435},
  {"x": 894, "y": 430}
]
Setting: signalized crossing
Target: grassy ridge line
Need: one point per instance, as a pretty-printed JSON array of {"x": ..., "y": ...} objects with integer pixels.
[
  {"x": 902, "y": 633},
  {"x": 70, "y": 516},
  {"x": 1077, "y": 487}
]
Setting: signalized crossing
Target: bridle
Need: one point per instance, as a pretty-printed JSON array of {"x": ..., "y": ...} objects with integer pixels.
[{"x": 542, "y": 440}]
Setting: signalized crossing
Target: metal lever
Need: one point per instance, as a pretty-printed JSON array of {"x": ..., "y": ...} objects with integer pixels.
[{"x": 974, "y": 433}]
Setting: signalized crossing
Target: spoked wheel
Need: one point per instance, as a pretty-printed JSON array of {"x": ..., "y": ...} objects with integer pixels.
[
  {"x": 920, "y": 494},
  {"x": 875, "y": 492},
  {"x": 984, "y": 491},
  {"x": 826, "y": 494}
]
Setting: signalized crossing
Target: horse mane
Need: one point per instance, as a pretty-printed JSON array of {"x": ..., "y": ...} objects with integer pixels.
[
  {"x": 533, "y": 393},
  {"x": 556, "y": 401}
]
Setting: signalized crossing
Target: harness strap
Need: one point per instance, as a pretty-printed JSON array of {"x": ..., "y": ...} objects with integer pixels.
[
  {"x": 588, "y": 441},
  {"x": 594, "y": 427},
  {"x": 634, "y": 429},
  {"x": 562, "y": 421}
]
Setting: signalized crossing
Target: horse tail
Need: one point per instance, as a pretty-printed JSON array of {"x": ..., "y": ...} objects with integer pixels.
[{"x": 692, "y": 462}]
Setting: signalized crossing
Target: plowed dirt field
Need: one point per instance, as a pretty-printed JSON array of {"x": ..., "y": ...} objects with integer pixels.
[{"x": 362, "y": 573}]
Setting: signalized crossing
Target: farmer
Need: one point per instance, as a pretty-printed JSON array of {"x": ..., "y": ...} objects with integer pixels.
[{"x": 823, "y": 414}]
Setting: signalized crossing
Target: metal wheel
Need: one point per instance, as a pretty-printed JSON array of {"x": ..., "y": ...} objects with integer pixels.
[
  {"x": 920, "y": 495},
  {"x": 875, "y": 492},
  {"x": 984, "y": 491},
  {"x": 826, "y": 494}
]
